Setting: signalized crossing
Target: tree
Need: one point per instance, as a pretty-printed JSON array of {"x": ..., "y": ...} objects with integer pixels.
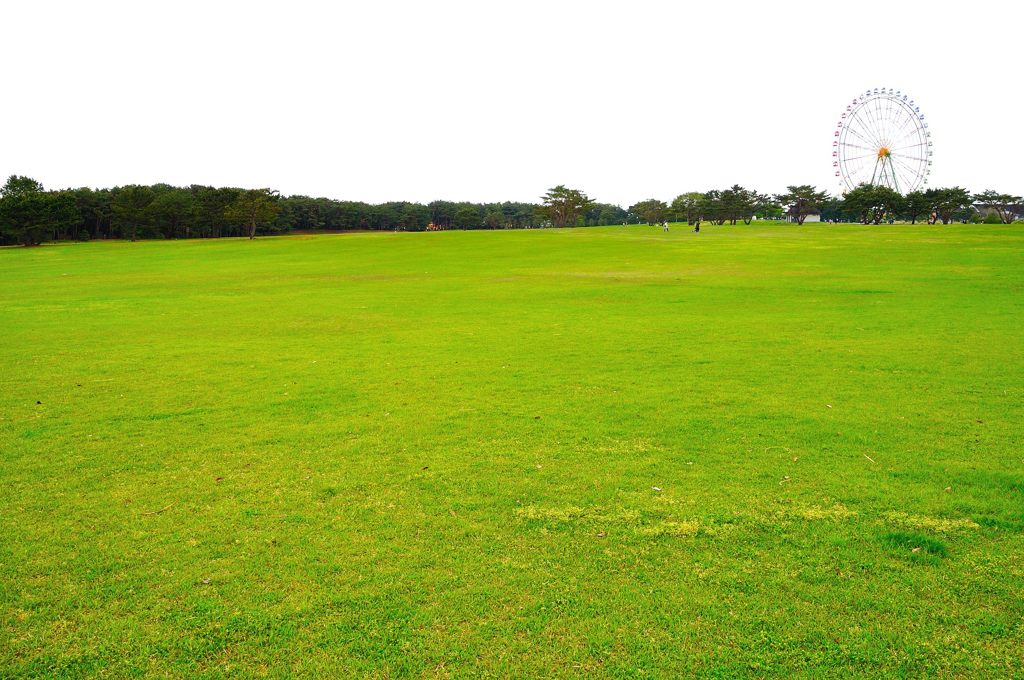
[
  {"x": 94, "y": 206},
  {"x": 734, "y": 203},
  {"x": 1007, "y": 206},
  {"x": 24, "y": 219},
  {"x": 760, "y": 204},
  {"x": 23, "y": 210},
  {"x": 28, "y": 214},
  {"x": 18, "y": 186},
  {"x": 712, "y": 207},
  {"x": 563, "y": 206},
  {"x": 62, "y": 213},
  {"x": 442, "y": 213},
  {"x": 771, "y": 210},
  {"x": 802, "y": 200},
  {"x": 209, "y": 205},
  {"x": 832, "y": 209},
  {"x": 494, "y": 219},
  {"x": 946, "y": 203},
  {"x": 605, "y": 214},
  {"x": 741, "y": 204},
  {"x": 252, "y": 208},
  {"x": 915, "y": 204},
  {"x": 414, "y": 217},
  {"x": 171, "y": 211},
  {"x": 872, "y": 203},
  {"x": 130, "y": 205},
  {"x": 467, "y": 217},
  {"x": 301, "y": 212},
  {"x": 686, "y": 206},
  {"x": 651, "y": 211}
]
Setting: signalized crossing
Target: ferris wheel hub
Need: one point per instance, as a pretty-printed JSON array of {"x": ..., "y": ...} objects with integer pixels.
[{"x": 883, "y": 152}]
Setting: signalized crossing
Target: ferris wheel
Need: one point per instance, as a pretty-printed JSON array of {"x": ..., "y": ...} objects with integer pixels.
[{"x": 882, "y": 139}]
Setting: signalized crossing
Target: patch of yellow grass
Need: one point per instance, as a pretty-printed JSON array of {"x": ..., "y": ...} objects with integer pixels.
[
  {"x": 670, "y": 528},
  {"x": 630, "y": 519},
  {"x": 936, "y": 524},
  {"x": 836, "y": 513},
  {"x": 571, "y": 513}
]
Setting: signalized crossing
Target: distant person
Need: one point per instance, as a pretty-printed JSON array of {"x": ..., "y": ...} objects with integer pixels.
[{"x": 665, "y": 225}]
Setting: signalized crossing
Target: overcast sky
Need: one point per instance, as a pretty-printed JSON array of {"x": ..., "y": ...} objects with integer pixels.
[{"x": 488, "y": 101}]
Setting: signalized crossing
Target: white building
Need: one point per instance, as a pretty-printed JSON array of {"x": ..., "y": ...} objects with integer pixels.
[{"x": 813, "y": 215}]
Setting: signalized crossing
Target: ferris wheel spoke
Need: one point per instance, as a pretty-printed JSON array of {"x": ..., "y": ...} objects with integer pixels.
[
  {"x": 892, "y": 114},
  {"x": 914, "y": 169},
  {"x": 911, "y": 181},
  {"x": 870, "y": 125},
  {"x": 913, "y": 128},
  {"x": 908, "y": 118},
  {"x": 862, "y": 114},
  {"x": 883, "y": 109},
  {"x": 884, "y": 131},
  {"x": 879, "y": 126},
  {"x": 867, "y": 155},
  {"x": 907, "y": 166},
  {"x": 907, "y": 142},
  {"x": 909, "y": 128},
  {"x": 892, "y": 122},
  {"x": 853, "y": 172},
  {"x": 906, "y": 178},
  {"x": 909, "y": 146},
  {"x": 909, "y": 157},
  {"x": 860, "y": 136},
  {"x": 858, "y": 177}
]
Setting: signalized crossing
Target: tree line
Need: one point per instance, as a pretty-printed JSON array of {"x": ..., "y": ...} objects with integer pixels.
[
  {"x": 867, "y": 204},
  {"x": 874, "y": 204},
  {"x": 29, "y": 214}
]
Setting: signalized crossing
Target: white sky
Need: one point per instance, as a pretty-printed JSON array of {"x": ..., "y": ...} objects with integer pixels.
[{"x": 489, "y": 101}]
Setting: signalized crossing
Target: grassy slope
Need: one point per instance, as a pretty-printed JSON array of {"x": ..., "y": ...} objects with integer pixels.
[{"x": 437, "y": 453}]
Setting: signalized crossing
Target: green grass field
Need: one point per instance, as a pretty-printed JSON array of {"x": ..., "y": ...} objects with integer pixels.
[{"x": 765, "y": 450}]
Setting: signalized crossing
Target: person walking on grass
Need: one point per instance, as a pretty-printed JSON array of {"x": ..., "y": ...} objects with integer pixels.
[{"x": 665, "y": 226}]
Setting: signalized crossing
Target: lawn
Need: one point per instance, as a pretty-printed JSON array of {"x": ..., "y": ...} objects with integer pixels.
[{"x": 764, "y": 450}]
